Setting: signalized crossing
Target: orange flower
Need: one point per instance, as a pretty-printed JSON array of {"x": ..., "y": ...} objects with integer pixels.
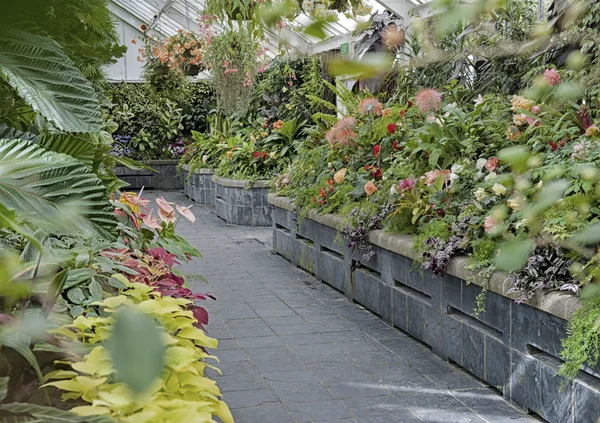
[
  {"x": 278, "y": 124},
  {"x": 370, "y": 188},
  {"x": 339, "y": 176}
]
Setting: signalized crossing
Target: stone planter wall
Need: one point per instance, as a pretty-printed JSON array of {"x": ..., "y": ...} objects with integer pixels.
[
  {"x": 167, "y": 177},
  {"x": 242, "y": 202},
  {"x": 198, "y": 185},
  {"x": 513, "y": 347}
]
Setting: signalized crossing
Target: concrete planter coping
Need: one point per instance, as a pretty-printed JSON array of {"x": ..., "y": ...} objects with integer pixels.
[
  {"x": 241, "y": 183},
  {"x": 560, "y": 304},
  {"x": 201, "y": 171}
]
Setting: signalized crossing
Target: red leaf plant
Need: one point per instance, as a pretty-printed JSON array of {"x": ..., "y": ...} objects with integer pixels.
[{"x": 154, "y": 268}]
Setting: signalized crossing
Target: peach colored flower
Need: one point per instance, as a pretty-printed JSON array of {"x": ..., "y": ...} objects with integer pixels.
[
  {"x": 591, "y": 131},
  {"x": 150, "y": 221},
  {"x": 185, "y": 212},
  {"x": 551, "y": 77},
  {"x": 166, "y": 216},
  {"x": 512, "y": 133},
  {"x": 386, "y": 112},
  {"x": 370, "y": 188},
  {"x": 428, "y": 100},
  {"x": 339, "y": 176},
  {"x": 519, "y": 102},
  {"x": 164, "y": 205},
  {"x": 489, "y": 224},
  {"x": 342, "y": 133},
  {"x": 278, "y": 124},
  {"x": 370, "y": 106},
  {"x": 433, "y": 175}
]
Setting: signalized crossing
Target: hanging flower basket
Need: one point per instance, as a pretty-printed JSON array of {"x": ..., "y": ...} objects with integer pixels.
[{"x": 239, "y": 12}]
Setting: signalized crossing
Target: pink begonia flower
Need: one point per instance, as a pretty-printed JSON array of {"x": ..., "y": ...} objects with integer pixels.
[
  {"x": 150, "y": 221},
  {"x": 551, "y": 77},
  {"x": 535, "y": 110},
  {"x": 428, "y": 100},
  {"x": 489, "y": 224},
  {"x": 185, "y": 212},
  {"x": 164, "y": 205}
]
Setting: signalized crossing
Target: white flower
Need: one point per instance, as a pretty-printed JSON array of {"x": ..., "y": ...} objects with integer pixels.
[
  {"x": 272, "y": 155},
  {"x": 453, "y": 177},
  {"x": 492, "y": 175},
  {"x": 540, "y": 184},
  {"x": 330, "y": 165},
  {"x": 499, "y": 189},
  {"x": 515, "y": 203},
  {"x": 478, "y": 100},
  {"x": 520, "y": 223},
  {"x": 393, "y": 190},
  {"x": 204, "y": 158},
  {"x": 480, "y": 194},
  {"x": 481, "y": 163},
  {"x": 456, "y": 168}
]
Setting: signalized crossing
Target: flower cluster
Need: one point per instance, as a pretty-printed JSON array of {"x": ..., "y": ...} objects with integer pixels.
[
  {"x": 370, "y": 106},
  {"x": 343, "y": 133},
  {"x": 428, "y": 100}
]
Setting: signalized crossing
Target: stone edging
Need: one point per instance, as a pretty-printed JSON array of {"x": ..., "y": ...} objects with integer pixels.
[
  {"x": 241, "y": 183},
  {"x": 201, "y": 171},
  {"x": 560, "y": 304}
]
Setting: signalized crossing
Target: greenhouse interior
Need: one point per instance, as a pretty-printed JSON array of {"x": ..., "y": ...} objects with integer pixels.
[{"x": 295, "y": 211}]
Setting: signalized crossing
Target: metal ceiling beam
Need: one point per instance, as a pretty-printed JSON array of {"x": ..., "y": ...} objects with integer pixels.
[{"x": 165, "y": 6}]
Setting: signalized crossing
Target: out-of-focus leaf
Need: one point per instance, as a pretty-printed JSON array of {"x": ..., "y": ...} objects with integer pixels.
[
  {"x": 516, "y": 156},
  {"x": 588, "y": 236},
  {"x": 513, "y": 255},
  {"x": 590, "y": 291},
  {"x": 4, "y": 387},
  {"x": 369, "y": 66},
  {"x": 51, "y": 414},
  {"x": 136, "y": 349}
]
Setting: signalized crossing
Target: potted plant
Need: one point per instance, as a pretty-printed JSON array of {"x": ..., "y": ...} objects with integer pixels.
[
  {"x": 234, "y": 58},
  {"x": 231, "y": 9},
  {"x": 322, "y": 8}
]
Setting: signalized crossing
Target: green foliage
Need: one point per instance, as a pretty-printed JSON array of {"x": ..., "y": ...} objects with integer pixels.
[
  {"x": 68, "y": 187},
  {"x": 582, "y": 346},
  {"x": 435, "y": 229},
  {"x": 34, "y": 64}
]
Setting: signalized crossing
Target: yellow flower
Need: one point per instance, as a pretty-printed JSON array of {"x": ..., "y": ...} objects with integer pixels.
[{"x": 339, "y": 176}]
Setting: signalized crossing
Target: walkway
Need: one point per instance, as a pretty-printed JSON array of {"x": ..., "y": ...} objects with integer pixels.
[{"x": 294, "y": 350}]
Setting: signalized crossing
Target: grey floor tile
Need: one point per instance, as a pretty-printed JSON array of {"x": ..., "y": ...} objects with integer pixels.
[{"x": 294, "y": 350}]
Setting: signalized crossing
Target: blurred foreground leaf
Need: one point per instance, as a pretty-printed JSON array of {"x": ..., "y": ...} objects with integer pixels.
[
  {"x": 513, "y": 255},
  {"x": 369, "y": 66},
  {"x": 136, "y": 349}
]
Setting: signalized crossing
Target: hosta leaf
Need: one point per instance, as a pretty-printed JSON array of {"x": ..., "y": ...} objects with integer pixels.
[
  {"x": 45, "y": 77},
  {"x": 48, "y": 186}
]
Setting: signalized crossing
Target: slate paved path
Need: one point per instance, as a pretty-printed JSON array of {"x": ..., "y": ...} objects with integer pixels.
[{"x": 294, "y": 350}]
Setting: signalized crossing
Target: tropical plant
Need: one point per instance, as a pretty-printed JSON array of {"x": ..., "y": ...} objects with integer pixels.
[{"x": 174, "y": 386}]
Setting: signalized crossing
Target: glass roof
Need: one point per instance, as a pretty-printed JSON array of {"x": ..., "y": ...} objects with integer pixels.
[{"x": 166, "y": 17}]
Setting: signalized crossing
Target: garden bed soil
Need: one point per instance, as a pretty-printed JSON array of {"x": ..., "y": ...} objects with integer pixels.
[
  {"x": 513, "y": 347},
  {"x": 198, "y": 185},
  {"x": 166, "y": 179}
]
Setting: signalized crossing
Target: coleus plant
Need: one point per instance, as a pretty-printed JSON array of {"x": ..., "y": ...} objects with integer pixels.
[{"x": 154, "y": 268}]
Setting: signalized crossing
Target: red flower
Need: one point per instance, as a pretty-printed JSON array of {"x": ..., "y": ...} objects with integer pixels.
[
  {"x": 376, "y": 173},
  {"x": 376, "y": 150},
  {"x": 260, "y": 155},
  {"x": 409, "y": 104},
  {"x": 553, "y": 145},
  {"x": 395, "y": 146},
  {"x": 391, "y": 128}
]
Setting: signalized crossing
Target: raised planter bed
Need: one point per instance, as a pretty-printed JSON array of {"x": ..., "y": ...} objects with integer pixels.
[
  {"x": 167, "y": 177},
  {"x": 513, "y": 347},
  {"x": 242, "y": 202},
  {"x": 198, "y": 185}
]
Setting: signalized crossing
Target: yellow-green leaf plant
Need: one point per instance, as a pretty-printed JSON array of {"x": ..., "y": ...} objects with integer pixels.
[{"x": 182, "y": 394}]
